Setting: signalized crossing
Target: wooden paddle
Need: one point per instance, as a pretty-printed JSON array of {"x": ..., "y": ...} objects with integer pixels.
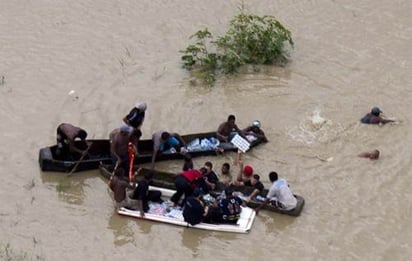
[{"x": 80, "y": 160}]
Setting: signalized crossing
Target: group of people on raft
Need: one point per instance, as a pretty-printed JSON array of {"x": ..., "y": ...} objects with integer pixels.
[{"x": 191, "y": 183}]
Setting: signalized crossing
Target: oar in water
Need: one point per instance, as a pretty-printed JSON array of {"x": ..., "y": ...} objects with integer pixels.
[{"x": 80, "y": 160}]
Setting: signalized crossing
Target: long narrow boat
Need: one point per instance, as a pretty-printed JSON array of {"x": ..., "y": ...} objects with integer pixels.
[
  {"x": 166, "y": 180},
  {"x": 100, "y": 152},
  {"x": 174, "y": 216}
]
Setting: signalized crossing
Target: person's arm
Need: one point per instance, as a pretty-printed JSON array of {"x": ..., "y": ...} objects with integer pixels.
[
  {"x": 211, "y": 185},
  {"x": 155, "y": 151},
  {"x": 262, "y": 136},
  {"x": 126, "y": 120},
  {"x": 379, "y": 120},
  {"x": 113, "y": 148},
  {"x": 239, "y": 176},
  {"x": 253, "y": 195},
  {"x": 264, "y": 203},
  {"x": 182, "y": 142},
  {"x": 73, "y": 147},
  {"x": 241, "y": 133},
  {"x": 384, "y": 121}
]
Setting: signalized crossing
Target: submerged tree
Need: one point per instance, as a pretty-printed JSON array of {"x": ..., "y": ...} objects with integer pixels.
[{"x": 250, "y": 39}]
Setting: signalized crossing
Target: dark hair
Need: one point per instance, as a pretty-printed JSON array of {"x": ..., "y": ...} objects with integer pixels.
[
  {"x": 165, "y": 135},
  {"x": 209, "y": 164},
  {"x": 82, "y": 134},
  {"x": 256, "y": 176},
  {"x": 196, "y": 192},
  {"x": 137, "y": 133},
  {"x": 273, "y": 176},
  {"x": 231, "y": 117},
  {"x": 227, "y": 165},
  {"x": 203, "y": 170}
]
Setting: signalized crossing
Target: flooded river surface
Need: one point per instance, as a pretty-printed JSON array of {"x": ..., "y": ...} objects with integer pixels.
[{"x": 348, "y": 57}]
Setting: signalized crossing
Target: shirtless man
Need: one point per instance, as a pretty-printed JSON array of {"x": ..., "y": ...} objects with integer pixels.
[
  {"x": 66, "y": 136},
  {"x": 228, "y": 129},
  {"x": 119, "y": 140}
]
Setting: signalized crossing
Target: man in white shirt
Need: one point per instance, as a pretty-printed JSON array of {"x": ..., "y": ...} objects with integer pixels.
[{"x": 279, "y": 194}]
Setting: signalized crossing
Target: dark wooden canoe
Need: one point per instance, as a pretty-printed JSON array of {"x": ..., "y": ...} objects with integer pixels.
[
  {"x": 166, "y": 180},
  {"x": 100, "y": 152}
]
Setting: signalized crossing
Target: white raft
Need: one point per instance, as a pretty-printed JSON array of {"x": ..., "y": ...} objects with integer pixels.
[{"x": 243, "y": 225}]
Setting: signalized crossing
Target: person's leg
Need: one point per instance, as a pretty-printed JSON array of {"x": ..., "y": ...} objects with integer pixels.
[
  {"x": 276, "y": 203},
  {"x": 180, "y": 185},
  {"x": 188, "y": 191}
]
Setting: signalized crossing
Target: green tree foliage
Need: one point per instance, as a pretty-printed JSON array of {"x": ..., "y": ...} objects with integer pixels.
[{"x": 251, "y": 39}]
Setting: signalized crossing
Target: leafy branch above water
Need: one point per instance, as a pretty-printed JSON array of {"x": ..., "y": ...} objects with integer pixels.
[{"x": 250, "y": 39}]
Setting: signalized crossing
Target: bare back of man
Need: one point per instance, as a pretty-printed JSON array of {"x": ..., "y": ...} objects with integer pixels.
[{"x": 119, "y": 140}]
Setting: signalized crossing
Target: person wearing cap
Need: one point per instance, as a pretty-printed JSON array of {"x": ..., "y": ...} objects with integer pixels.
[
  {"x": 136, "y": 116},
  {"x": 245, "y": 172},
  {"x": 374, "y": 117},
  {"x": 119, "y": 141},
  {"x": 194, "y": 208},
  {"x": 255, "y": 131},
  {"x": 279, "y": 194},
  {"x": 374, "y": 155},
  {"x": 67, "y": 148},
  {"x": 228, "y": 129},
  {"x": 164, "y": 141}
]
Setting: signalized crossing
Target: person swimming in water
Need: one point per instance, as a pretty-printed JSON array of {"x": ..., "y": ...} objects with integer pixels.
[
  {"x": 374, "y": 117},
  {"x": 374, "y": 155}
]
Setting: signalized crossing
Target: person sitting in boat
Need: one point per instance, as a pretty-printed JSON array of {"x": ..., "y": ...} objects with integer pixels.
[
  {"x": 374, "y": 117},
  {"x": 279, "y": 194},
  {"x": 230, "y": 207},
  {"x": 67, "y": 148},
  {"x": 374, "y": 155},
  {"x": 185, "y": 184},
  {"x": 210, "y": 177},
  {"x": 119, "y": 144},
  {"x": 136, "y": 116},
  {"x": 118, "y": 183},
  {"x": 194, "y": 208},
  {"x": 166, "y": 141},
  {"x": 255, "y": 183},
  {"x": 225, "y": 175},
  {"x": 245, "y": 172},
  {"x": 255, "y": 131},
  {"x": 228, "y": 129},
  {"x": 143, "y": 195}
]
